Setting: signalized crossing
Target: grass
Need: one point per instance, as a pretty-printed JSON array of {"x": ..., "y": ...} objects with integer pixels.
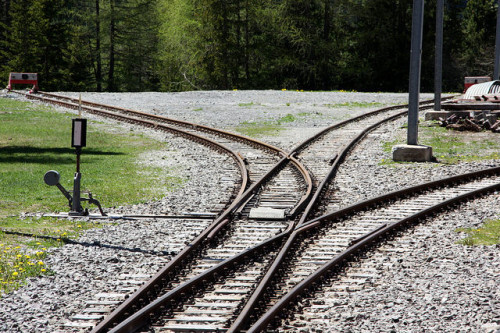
[
  {"x": 246, "y": 104},
  {"x": 488, "y": 234},
  {"x": 35, "y": 139},
  {"x": 24, "y": 244},
  {"x": 265, "y": 128},
  {"x": 451, "y": 147},
  {"x": 354, "y": 105}
]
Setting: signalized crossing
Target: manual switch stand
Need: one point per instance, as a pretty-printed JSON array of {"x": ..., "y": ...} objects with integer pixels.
[{"x": 78, "y": 140}]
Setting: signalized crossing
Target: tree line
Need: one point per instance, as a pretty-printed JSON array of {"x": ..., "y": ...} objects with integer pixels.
[{"x": 176, "y": 45}]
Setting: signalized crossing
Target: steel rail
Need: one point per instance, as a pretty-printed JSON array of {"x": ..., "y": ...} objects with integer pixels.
[
  {"x": 134, "y": 322},
  {"x": 368, "y": 239},
  {"x": 360, "y": 206},
  {"x": 183, "y": 123},
  {"x": 193, "y": 137},
  {"x": 266, "y": 280},
  {"x": 183, "y": 255},
  {"x": 138, "y": 319},
  {"x": 217, "y": 225},
  {"x": 211, "y": 230},
  {"x": 297, "y": 164},
  {"x": 302, "y": 145}
]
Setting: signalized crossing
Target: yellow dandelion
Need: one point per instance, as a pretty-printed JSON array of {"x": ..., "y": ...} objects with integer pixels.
[
  {"x": 38, "y": 243},
  {"x": 19, "y": 256},
  {"x": 79, "y": 226},
  {"x": 40, "y": 263},
  {"x": 44, "y": 249},
  {"x": 283, "y": 89},
  {"x": 15, "y": 274},
  {"x": 27, "y": 256},
  {"x": 43, "y": 270}
]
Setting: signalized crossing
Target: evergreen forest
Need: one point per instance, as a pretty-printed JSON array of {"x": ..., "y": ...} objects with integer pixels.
[{"x": 177, "y": 45}]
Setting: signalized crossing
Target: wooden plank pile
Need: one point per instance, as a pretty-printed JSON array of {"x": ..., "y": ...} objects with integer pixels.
[{"x": 476, "y": 122}]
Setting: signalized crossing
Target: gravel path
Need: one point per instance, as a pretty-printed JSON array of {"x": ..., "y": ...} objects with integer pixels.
[{"x": 141, "y": 246}]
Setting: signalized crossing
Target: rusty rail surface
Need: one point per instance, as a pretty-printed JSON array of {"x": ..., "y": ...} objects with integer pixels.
[
  {"x": 134, "y": 300},
  {"x": 367, "y": 240},
  {"x": 309, "y": 198},
  {"x": 266, "y": 280},
  {"x": 137, "y": 320},
  {"x": 91, "y": 106}
]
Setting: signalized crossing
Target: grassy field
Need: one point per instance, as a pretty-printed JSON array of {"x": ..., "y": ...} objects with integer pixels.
[{"x": 35, "y": 139}]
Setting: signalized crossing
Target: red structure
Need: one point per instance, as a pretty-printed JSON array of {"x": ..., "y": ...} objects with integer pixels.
[
  {"x": 23, "y": 78},
  {"x": 472, "y": 80}
]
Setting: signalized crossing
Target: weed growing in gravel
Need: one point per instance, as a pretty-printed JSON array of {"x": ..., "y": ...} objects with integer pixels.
[
  {"x": 488, "y": 234},
  {"x": 353, "y": 105},
  {"x": 16, "y": 265},
  {"x": 246, "y": 104},
  {"x": 451, "y": 147},
  {"x": 256, "y": 129},
  {"x": 24, "y": 243}
]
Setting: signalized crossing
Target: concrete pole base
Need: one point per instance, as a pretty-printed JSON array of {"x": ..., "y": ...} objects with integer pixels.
[{"x": 412, "y": 153}]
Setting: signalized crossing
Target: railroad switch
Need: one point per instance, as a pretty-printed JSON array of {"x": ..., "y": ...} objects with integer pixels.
[{"x": 51, "y": 178}]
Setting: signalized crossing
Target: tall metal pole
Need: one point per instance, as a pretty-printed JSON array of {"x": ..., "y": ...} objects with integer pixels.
[
  {"x": 497, "y": 46},
  {"x": 438, "y": 62},
  {"x": 415, "y": 66}
]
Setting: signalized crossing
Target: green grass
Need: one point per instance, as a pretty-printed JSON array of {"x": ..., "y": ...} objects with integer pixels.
[
  {"x": 246, "y": 104},
  {"x": 353, "y": 105},
  {"x": 451, "y": 147},
  {"x": 488, "y": 234},
  {"x": 24, "y": 243},
  {"x": 35, "y": 139},
  {"x": 265, "y": 128}
]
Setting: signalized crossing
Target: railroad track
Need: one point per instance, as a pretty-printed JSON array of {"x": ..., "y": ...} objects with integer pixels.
[
  {"x": 284, "y": 186},
  {"x": 227, "y": 294},
  {"x": 219, "y": 282},
  {"x": 320, "y": 248}
]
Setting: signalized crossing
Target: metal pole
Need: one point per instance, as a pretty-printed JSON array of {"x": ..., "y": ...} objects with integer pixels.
[
  {"x": 497, "y": 46},
  {"x": 78, "y": 153},
  {"x": 438, "y": 65},
  {"x": 77, "y": 206},
  {"x": 415, "y": 65}
]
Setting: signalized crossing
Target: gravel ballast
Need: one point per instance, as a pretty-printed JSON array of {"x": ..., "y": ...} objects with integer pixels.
[{"x": 462, "y": 281}]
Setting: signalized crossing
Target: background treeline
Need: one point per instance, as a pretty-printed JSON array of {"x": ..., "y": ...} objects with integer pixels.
[{"x": 173, "y": 45}]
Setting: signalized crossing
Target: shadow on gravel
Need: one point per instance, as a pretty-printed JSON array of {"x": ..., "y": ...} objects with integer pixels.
[
  {"x": 93, "y": 244},
  {"x": 27, "y": 154}
]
